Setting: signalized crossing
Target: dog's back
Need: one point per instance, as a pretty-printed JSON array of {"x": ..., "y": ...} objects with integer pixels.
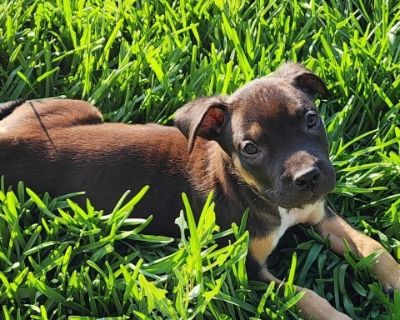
[{"x": 62, "y": 146}]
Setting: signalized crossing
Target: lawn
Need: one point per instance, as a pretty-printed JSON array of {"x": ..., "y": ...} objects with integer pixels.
[{"x": 138, "y": 61}]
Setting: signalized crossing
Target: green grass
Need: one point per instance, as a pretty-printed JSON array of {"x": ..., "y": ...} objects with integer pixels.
[{"x": 138, "y": 61}]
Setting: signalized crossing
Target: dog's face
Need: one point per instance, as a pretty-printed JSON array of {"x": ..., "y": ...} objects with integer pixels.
[{"x": 273, "y": 134}]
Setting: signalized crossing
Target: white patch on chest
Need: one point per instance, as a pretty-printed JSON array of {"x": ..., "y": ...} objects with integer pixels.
[{"x": 310, "y": 214}]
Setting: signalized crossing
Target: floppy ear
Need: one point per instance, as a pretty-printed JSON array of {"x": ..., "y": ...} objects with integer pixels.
[
  {"x": 303, "y": 79},
  {"x": 203, "y": 117}
]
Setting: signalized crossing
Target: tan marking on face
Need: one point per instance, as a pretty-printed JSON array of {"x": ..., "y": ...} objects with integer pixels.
[
  {"x": 262, "y": 247},
  {"x": 245, "y": 175},
  {"x": 255, "y": 130},
  {"x": 385, "y": 268}
]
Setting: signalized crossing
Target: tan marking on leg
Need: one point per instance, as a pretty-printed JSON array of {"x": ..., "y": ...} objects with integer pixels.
[
  {"x": 311, "y": 305},
  {"x": 262, "y": 247},
  {"x": 386, "y": 269},
  {"x": 245, "y": 175}
]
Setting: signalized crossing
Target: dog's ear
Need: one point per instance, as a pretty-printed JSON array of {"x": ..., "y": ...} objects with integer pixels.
[
  {"x": 303, "y": 79},
  {"x": 203, "y": 117}
]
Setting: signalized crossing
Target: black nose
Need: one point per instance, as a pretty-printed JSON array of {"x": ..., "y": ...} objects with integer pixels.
[{"x": 307, "y": 179}]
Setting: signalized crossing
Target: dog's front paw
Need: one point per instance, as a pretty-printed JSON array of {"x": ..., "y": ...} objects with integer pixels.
[
  {"x": 391, "y": 282},
  {"x": 387, "y": 270},
  {"x": 314, "y": 307}
]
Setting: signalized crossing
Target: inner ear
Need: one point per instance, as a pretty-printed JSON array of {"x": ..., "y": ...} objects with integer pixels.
[{"x": 212, "y": 123}]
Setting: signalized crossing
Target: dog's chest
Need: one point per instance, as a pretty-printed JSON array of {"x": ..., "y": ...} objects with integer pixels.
[
  {"x": 310, "y": 214},
  {"x": 261, "y": 247}
]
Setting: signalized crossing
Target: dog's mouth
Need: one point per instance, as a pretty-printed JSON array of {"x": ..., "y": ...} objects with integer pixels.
[{"x": 287, "y": 201}]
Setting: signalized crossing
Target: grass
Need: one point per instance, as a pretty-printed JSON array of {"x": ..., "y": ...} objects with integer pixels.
[{"x": 138, "y": 61}]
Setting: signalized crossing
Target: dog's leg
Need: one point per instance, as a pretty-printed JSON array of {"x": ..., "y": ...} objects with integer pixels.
[
  {"x": 386, "y": 269},
  {"x": 311, "y": 305}
]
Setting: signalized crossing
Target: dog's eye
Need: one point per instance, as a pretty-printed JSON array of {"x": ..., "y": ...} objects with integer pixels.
[
  {"x": 249, "y": 148},
  {"x": 312, "y": 119}
]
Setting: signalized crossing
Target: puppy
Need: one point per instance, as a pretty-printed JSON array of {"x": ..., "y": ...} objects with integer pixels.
[{"x": 263, "y": 148}]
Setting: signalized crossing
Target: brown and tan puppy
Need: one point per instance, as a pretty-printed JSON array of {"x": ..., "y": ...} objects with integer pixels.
[{"x": 262, "y": 148}]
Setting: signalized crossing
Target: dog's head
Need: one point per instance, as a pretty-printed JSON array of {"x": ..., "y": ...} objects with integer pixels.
[{"x": 272, "y": 133}]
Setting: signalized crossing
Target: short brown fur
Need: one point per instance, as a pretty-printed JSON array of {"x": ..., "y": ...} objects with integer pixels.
[{"x": 263, "y": 148}]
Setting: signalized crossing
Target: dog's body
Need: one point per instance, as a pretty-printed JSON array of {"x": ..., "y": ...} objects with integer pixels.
[
  {"x": 263, "y": 148},
  {"x": 108, "y": 159}
]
